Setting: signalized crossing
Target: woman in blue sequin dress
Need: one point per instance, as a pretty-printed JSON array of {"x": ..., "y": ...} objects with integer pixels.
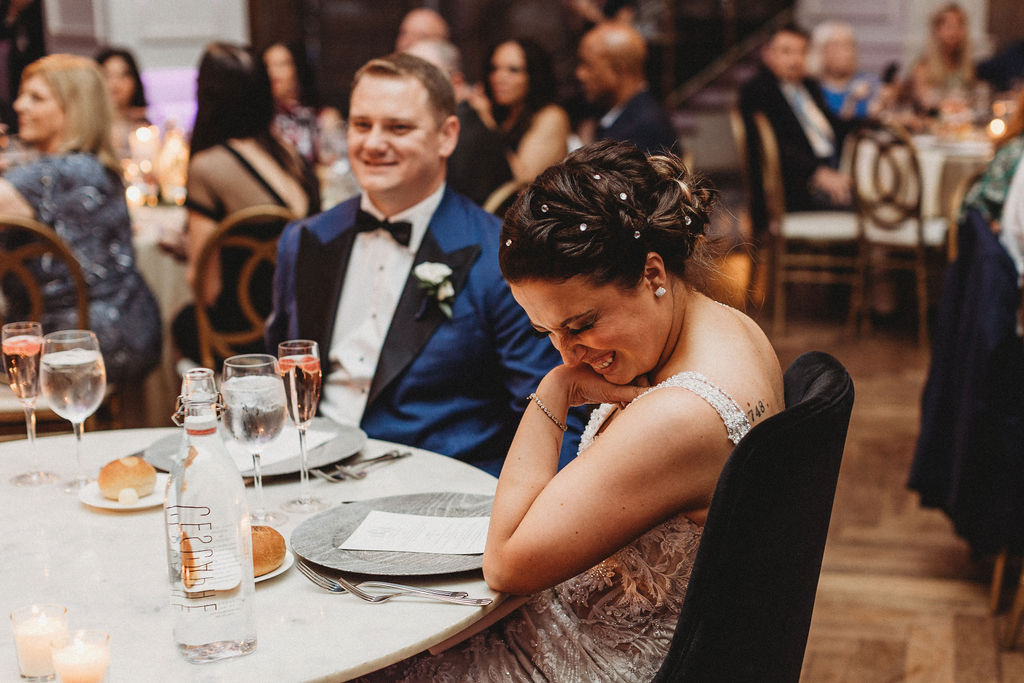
[{"x": 74, "y": 186}]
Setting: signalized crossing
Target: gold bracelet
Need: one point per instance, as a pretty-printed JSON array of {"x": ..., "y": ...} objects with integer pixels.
[{"x": 558, "y": 423}]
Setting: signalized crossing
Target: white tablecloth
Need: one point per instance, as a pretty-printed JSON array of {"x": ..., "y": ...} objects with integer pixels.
[
  {"x": 943, "y": 165},
  {"x": 165, "y": 275},
  {"x": 109, "y": 569}
]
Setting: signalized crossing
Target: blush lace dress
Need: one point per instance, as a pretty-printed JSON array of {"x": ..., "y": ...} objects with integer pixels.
[{"x": 612, "y": 622}]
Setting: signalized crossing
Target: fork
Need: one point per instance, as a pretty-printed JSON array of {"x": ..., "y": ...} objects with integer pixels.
[
  {"x": 342, "y": 586},
  {"x": 343, "y": 472}
]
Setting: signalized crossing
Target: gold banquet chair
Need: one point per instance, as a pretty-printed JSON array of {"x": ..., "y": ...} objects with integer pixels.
[
  {"x": 251, "y": 235},
  {"x": 819, "y": 247},
  {"x": 502, "y": 197},
  {"x": 895, "y": 235},
  {"x": 26, "y": 241}
]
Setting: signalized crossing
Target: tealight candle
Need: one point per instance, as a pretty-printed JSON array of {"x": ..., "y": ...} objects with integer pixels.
[
  {"x": 35, "y": 627},
  {"x": 82, "y": 657}
]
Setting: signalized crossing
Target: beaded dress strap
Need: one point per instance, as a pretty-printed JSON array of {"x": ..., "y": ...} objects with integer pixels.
[{"x": 736, "y": 422}]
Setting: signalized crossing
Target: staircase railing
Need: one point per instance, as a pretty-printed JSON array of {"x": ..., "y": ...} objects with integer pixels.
[{"x": 730, "y": 57}]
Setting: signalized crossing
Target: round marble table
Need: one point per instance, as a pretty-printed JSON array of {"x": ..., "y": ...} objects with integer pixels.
[{"x": 109, "y": 569}]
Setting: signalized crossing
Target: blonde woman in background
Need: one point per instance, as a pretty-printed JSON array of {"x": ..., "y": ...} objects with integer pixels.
[
  {"x": 945, "y": 67},
  {"x": 75, "y": 187}
]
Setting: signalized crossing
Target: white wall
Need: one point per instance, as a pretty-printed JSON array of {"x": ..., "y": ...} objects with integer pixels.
[{"x": 167, "y": 38}]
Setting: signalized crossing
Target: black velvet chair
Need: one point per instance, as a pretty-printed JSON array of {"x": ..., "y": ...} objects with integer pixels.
[{"x": 750, "y": 597}]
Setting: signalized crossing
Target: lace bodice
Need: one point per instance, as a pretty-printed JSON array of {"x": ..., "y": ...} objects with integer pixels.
[{"x": 613, "y": 622}]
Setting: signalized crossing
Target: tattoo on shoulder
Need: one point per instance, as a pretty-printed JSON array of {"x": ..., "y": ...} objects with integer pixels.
[{"x": 755, "y": 413}]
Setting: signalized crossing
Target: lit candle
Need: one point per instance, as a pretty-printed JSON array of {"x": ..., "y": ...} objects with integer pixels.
[
  {"x": 34, "y": 628},
  {"x": 82, "y": 658}
]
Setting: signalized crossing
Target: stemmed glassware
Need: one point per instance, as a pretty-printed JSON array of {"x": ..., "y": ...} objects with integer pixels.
[
  {"x": 254, "y": 398},
  {"x": 74, "y": 381},
  {"x": 300, "y": 367},
  {"x": 22, "y": 345}
]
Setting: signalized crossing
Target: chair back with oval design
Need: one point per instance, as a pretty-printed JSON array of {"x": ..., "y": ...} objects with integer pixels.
[
  {"x": 26, "y": 242},
  {"x": 888, "y": 190},
  {"x": 244, "y": 242}
]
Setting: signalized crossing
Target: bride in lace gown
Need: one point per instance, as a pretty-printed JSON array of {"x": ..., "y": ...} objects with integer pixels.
[{"x": 597, "y": 251}]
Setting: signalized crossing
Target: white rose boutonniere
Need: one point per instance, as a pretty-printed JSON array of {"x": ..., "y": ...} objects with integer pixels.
[{"x": 435, "y": 279}]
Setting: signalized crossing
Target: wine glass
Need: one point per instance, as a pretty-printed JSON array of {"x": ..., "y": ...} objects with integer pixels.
[
  {"x": 22, "y": 344},
  {"x": 74, "y": 380},
  {"x": 300, "y": 367},
  {"x": 255, "y": 414}
]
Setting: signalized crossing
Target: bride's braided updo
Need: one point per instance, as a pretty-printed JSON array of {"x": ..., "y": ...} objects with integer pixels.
[{"x": 600, "y": 212}]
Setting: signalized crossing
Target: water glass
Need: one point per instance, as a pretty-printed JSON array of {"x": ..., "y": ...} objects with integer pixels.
[
  {"x": 255, "y": 413},
  {"x": 74, "y": 380}
]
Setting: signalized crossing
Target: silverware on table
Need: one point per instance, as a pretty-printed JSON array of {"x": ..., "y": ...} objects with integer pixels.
[
  {"x": 340, "y": 472},
  {"x": 340, "y": 585}
]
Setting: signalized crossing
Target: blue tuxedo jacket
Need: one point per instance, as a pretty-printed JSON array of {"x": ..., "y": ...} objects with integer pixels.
[{"x": 456, "y": 386}]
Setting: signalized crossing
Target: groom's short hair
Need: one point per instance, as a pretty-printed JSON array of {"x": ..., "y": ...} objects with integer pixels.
[{"x": 404, "y": 65}]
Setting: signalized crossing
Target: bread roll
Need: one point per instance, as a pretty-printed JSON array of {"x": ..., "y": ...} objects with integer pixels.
[
  {"x": 126, "y": 473},
  {"x": 267, "y": 550}
]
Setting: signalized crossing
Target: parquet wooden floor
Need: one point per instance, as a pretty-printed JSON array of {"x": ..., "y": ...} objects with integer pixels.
[{"x": 900, "y": 597}]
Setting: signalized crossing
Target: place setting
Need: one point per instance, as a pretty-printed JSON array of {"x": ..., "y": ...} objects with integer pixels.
[{"x": 412, "y": 535}]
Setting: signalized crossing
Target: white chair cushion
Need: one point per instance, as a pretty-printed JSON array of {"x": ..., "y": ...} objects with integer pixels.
[
  {"x": 934, "y": 233},
  {"x": 833, "y": 226}
]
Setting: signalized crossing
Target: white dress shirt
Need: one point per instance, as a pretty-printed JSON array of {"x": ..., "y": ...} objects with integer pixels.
[{"x": 377, "y": 271}]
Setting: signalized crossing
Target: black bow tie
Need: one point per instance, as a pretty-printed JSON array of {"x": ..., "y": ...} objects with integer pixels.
[{"x": 400, "y": 230}]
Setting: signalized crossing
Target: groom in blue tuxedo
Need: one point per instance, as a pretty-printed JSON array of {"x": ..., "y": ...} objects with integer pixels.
[{"x": 422, "y": 341}]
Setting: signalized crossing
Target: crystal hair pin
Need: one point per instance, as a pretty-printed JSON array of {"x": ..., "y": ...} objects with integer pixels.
[
  {"x": 622, "y": 196},
  {"x": 583, "y": 227},
  {"x": 508, "y": 243},
  {"x": 597, "y": 176},
  {"x": 543, "y": 208},
  {"x": 687, "y": 220}
]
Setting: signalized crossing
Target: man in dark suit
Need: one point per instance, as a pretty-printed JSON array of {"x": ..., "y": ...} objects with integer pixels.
[
  {"x": 809, "y": 137},
  {"x": 611, "y": 72},
  {"x": 424, "y": 344}
]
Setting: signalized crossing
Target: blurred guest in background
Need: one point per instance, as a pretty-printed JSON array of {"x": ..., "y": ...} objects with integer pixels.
[
  {"x": 1005, "y": 69},
  {"x": 420, "y": 24},
  {"x": 945, "y": 68},
  {"x": 75, "y": 187},
  {"x": 832, "y": 60},
  {"x": 235, "y": 162},
  {"x": 127, "y": 95},
  {"x": 808, "y": 135},
  {"x": 21, "y": 42},
  {"x": 611, "y": 71},
  {"x": 298, "y": 118},
  {"x": 478, "y": 166},
  {"x": 988, "y": 195},
  {"x": 518, "y": 100}
]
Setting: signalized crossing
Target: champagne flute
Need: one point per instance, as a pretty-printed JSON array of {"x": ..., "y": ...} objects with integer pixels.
[
  {"x": 22, "y": 344},
  {"x": 254, "y": 398},
  {"x": 74, "y": 380},
  {"x": 300, "y": 367}
]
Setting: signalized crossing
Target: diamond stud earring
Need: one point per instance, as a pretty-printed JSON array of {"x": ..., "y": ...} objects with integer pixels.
[{"x": 660, "y": 292}]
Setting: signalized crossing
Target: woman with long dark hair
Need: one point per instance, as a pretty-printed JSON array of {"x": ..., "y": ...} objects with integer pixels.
[
  {"x": 235, "y": 162},
  {"x": 127, "y": 95},
  {"x": 518, "y": 100}
]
